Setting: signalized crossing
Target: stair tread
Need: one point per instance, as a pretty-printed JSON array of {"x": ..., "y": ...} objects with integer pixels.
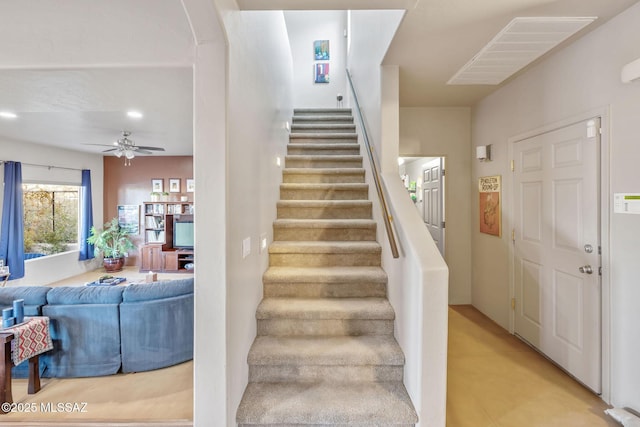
[
  {"x": 322, "y": 185},
  {"x": 323, "y": 203},
  {"x": 320, "y": 247},
  {"x": 369, "y": 403},
  {"x": 321, "y": 110},
  {"x": 323, "y": 171},
  {"x": 324, "y": 223},
  {"x": 344, "y": 157},
  {"x": 325, "y": 274},
  {"x": 325, "y": 308},
  {"x": 316, "y": 135},
  {"x": 323, "y": 350},
  {"x": 328, "y": 146}
]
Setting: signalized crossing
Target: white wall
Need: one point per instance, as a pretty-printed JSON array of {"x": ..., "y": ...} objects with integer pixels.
[
  {"x": 370, "y": 36},
  {"x": 446, "y": 132},
  {"x": 45, "y": 270},
  {"x": 259, "y": 101},
  {"x": 583, "y": 77},
  {"x": 304, "y": 27}
]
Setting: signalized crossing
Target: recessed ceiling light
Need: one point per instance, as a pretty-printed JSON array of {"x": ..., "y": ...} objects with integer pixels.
[
  {"x": 8, "y": 115},
  {"x": 134, "y": 114}
]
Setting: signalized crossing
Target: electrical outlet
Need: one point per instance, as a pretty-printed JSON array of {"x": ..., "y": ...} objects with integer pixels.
[{"x": 246, "y": 247}]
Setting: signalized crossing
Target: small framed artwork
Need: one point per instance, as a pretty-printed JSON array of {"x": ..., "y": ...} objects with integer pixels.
[
  {"x": 321, "y": 72},
  {"x": 191, "y": 185},
  {"x": 157, "y": 185},
  {"x": 174, "y": 185},
  {"x": 321, "y": 50}
]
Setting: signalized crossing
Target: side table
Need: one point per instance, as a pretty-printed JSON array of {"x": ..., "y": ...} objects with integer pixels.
[{"x": 23, "y": 342}]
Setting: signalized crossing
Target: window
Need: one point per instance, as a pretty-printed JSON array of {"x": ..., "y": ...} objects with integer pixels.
[{"x": 50, "y": 218}]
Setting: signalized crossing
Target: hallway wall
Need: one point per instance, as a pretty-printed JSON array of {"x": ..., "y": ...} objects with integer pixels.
[
  {"x": 446, "y": 132},
  {"x": 259, "y": 100},
  {"x": 581, "y": 78},
  {"x": 304, "y": 27}
]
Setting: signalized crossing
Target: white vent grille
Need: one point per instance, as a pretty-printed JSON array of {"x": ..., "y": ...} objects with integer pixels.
[{"x": 520, "y": 43}]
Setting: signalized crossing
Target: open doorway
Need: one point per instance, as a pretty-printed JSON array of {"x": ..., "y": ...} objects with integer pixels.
[{"x": 424, "y": 179}]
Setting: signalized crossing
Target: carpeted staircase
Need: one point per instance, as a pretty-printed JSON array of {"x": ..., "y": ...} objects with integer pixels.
[{"x": 325, "y": 354}]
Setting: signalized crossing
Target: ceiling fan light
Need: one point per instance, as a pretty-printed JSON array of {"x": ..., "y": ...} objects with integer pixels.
[
  {"x": 129, "y": 154},
  {"x": 118, "y": 154}
]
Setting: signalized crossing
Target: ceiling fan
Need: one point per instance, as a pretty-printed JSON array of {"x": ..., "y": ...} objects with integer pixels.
[{"x": 127, "y": 148}]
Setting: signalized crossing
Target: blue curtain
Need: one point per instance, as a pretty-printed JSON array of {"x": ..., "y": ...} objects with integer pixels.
[
  {"x": 86, "y": 216},
  {"x": 12, "y": 229}
]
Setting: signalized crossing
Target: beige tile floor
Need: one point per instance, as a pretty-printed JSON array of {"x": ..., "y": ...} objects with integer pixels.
[{"x": 495, "y": 380}]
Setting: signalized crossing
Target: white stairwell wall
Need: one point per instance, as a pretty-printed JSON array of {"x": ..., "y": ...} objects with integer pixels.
[{"x": 418, "y": 280}]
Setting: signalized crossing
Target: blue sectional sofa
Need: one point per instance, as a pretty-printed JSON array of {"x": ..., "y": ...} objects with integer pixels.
[{"x": 102, "y": 330}]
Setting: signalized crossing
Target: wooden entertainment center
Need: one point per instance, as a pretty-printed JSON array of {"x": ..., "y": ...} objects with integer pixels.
[{"x": 158, "y": 252}]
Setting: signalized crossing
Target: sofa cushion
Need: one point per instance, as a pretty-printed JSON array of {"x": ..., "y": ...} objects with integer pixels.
[
  {"x": 34, "y": 298},
  {"x": 70, "y": 295},
  {"x": 157, "y": 290}
]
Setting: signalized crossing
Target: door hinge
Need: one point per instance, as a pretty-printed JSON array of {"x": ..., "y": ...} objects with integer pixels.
[
  {"x": 442, "y": 224},
  {"x": 513, "y": 303},
  {"x": 599, "y": 271},
  {"x": 513, "y": 235},
  {"x": 443, "y": 172},
  {"x": 513, "y": 166}
]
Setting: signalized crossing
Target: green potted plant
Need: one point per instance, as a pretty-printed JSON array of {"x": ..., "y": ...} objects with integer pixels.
[{"x": 113, "y": 242}]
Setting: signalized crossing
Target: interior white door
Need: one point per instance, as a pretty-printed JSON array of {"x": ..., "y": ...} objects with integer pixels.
[
  {"x": 432, "y": 201},
  {"x": 557, "y": 247}
]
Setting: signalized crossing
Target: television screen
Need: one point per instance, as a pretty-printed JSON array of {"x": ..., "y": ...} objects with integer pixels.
[{"x": 183, "y": 234}]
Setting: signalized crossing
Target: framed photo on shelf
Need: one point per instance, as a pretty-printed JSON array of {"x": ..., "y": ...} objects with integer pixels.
[
  {"x": 174, "y": 185},
  {"x": 157, "y": 185},
  {"x": 191, "y": 185}
]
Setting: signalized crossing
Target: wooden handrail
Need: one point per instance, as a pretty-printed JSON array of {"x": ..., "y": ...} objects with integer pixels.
[{"x": 376, "y": 175}]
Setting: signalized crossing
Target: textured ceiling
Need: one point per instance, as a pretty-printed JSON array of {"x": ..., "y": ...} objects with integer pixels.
[{"x": 437, "y": 37}]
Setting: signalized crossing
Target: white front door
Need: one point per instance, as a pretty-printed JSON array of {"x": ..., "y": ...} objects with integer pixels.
[
  {"x": 557, "y": 245},
  {"x": 432, "y": 201}
]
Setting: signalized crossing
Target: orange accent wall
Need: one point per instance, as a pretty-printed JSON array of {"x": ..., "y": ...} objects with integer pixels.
[{"x": 131, "y": 185}]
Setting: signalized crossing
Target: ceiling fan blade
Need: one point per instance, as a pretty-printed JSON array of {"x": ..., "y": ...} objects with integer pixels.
[
  {"x": 101, "y": 145},
  {"x": 150, "y": 148},
  {"x": 109, "y": 150},
  {"x": 144, "y": 152}
]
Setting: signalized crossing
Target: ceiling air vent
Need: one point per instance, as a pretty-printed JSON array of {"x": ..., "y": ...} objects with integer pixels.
[{"x": 521, "y": 42}]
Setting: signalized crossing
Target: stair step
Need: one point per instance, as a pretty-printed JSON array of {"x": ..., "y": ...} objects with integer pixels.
[
  {"x": 323, "y": 138},
  {"x": 322, "y": 191},
  {"x": 324, "y": 209},
  {"x": 323, "y": 149},
  {"x": 324, "y": 254},
  {"x": 323, "y": 128},
  {"x": 323, "y": 175},
  {"x": 325, "y": 316},
  {"x": 321, "y": 111},
  {"x": 324, "y": 118},
  {"x": 324, "y": 229},
  {"x": 362, "y": 404},
  {"x": 338, "y": 359},
  {"x": 318, "y": 161},
  {"x": 325, "y": 282}
]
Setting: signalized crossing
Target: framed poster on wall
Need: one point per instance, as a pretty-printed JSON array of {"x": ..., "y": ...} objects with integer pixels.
[
  {"x": 489, "y": 188},
  {"x": 129, "y": 218}
]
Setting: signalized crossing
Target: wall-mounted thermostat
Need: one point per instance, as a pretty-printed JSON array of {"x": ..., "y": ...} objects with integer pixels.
[{"x": 628, "y": 203}]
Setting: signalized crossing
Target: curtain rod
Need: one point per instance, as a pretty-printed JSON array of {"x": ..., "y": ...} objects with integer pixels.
[{"x": 45, "y": 166}]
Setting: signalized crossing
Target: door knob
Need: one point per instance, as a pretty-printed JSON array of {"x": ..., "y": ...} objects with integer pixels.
[{"x": 586, "y": 269}]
